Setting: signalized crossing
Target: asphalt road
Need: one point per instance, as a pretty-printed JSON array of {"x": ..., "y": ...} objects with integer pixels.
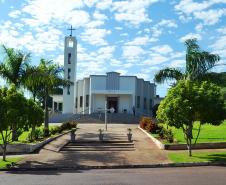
[{"x": 154, "y": 176}]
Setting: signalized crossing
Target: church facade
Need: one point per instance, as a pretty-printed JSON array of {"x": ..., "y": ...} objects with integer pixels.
[{"x": 125, "y": 94}]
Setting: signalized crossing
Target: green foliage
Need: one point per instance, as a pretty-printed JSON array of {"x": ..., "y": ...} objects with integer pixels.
[
  {"x": 198, "y": 64},
  {"x": 148, "y": 124},
  {"x": 166, "y": 134},
  {"x": 14, "y": 66},
  {"x": 10, "y": 162},
  {"x": 188, "y": 102},
  {"x": 68, "y": 125}
]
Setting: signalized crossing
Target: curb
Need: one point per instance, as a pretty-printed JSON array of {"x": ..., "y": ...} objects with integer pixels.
[{"x": 166, "y": 165}]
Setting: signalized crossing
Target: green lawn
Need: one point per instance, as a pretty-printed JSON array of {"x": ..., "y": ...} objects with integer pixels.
[
  {"x": 9, "y": 161},
  {"x": 208, "y": 134},
  {"x": 180, "y": 157},
  {"x": 23, "y": 137}
]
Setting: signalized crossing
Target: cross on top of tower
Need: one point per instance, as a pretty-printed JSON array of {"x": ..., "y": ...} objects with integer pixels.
[{"x": 71, "y": 29}]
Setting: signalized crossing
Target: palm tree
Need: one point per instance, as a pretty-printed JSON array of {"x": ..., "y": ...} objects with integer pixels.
[
  {"x": 13, "y": 71},
  {"x": 198, "y": 64},
  {"x": 14, "y": 66},
  {"x": 31, "y": 81},
  {"x": 43, "y": 80}
]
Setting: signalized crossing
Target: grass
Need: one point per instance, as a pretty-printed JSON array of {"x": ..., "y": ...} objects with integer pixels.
[
  {"x": 23, "y": 138},
  {"x": 9, "y": 161},
  {"x": 181, "y": 157},
  {"x": 208, "y": 134}
]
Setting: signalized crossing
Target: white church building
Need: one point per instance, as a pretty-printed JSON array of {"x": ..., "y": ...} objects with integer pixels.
[{"x": 93, "y": 93}]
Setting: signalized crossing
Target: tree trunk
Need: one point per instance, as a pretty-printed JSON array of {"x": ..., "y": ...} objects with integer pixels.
[
  {"x": 189, "y": 139},
  {"x": 4, "y": 152},
  {"x": 33, "y": 132},
  {"x": 46, "y": 129},
  {"x": 14, "y": 133}
]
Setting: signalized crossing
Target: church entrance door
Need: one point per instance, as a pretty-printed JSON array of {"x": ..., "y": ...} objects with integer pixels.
[{"x": 112, "y": 102}]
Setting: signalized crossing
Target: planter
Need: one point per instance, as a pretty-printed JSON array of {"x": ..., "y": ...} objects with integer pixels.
[
  {"x": 129, "y": 135},
  {"x": 101, "y": 137},
  {"x": 72, "y": 133}
]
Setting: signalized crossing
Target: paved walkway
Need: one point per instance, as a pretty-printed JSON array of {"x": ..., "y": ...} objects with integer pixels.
[{"x": 145, "y": 151}]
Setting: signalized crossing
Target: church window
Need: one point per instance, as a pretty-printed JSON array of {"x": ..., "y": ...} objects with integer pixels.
[
  {"x": 68, "y": 89},
  {"x": 145, "y": 103},
  {"x": 138, "y": 101},
  {"x": 87, "y": 100},
  {"x": 55, "y": 105},
  {"x": 60, "y": 106},
  {"x": 81, "y": 101},
  {"x": 69, "y": 58},
  {"x": 76, "y": 102},
  {"x": 68, "y": 73}
]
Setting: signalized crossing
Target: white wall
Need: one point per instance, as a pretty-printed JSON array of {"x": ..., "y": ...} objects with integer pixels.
[
  {"x": 98, "y": 102},
  {"x": 98, "y": 82},
  {"x": 127, "y": 83},
  {"x": 125, "y": 102},
  {"x": 79, "y": 93}
]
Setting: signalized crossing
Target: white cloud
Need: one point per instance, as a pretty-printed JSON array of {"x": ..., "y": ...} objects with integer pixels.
[
  {"x": 190, "y": 36},
  {"x": 177, "y": 63},
  {"x": 132, "y": 53},
  {"x": 155, "y": 59},
  {"x": 99, "y": 16},
  {"x": 95, "y": 36},
  {"x": 158, "y": 29},
  {"x": 139, "y": 41},
  {"x": 210, "y": 17},
  {"x": 133, "y": 12},
  {"x": 162, "y": 49},
  {"x": 104, "y": 4},
  {"x": 167, "y": 23},
  {"x": 198, "y": 10},
  {"x": 15, "y": 13},
  {"x": 46, "y": 11}
]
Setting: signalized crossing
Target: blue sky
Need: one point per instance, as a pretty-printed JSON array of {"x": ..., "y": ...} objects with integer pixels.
[{"x": 133, "y": 37}]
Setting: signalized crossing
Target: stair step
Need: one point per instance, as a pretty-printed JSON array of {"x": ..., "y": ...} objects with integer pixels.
[
  {"x": 97, "y": 149},
  {"x": 98, "y": 142}
]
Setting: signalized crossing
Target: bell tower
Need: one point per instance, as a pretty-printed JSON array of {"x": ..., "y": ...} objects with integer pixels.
[{"x": 70, "y": 68}]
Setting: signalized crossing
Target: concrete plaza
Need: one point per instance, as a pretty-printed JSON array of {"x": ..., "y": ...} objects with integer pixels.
[{"x": 144, "y": 150}]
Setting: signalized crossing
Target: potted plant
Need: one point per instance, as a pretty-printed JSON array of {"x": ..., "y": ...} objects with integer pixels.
[
  {"x": 73, "y": 134},
  {"x": 101, "y": 135},
  {"x": 129, "y": 134}
]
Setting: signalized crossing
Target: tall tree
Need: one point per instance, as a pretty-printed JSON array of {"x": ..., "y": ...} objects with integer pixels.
[
  {"x": 198, "y": 64},
  {"x": 48, "y": 77},
  {"x": 13, "y": 70},
  {"x": 14, "y": 66},
  {"x": 13, "y": 114},
  {"x": 190, "y": 101}
]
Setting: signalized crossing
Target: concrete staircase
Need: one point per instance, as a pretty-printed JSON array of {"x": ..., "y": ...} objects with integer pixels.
[
  {"x": 96, "y": 118},
  {"x": 92, "y": 146}
]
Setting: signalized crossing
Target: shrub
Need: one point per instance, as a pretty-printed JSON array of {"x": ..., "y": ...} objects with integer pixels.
[
  {"x": 54, "y": 130},
  {"x": 68, "y": 125},
  {"x": 148, "y": 124},
  {"x": 166, "y": 134},
  {"x": 38, "y": 133}
]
